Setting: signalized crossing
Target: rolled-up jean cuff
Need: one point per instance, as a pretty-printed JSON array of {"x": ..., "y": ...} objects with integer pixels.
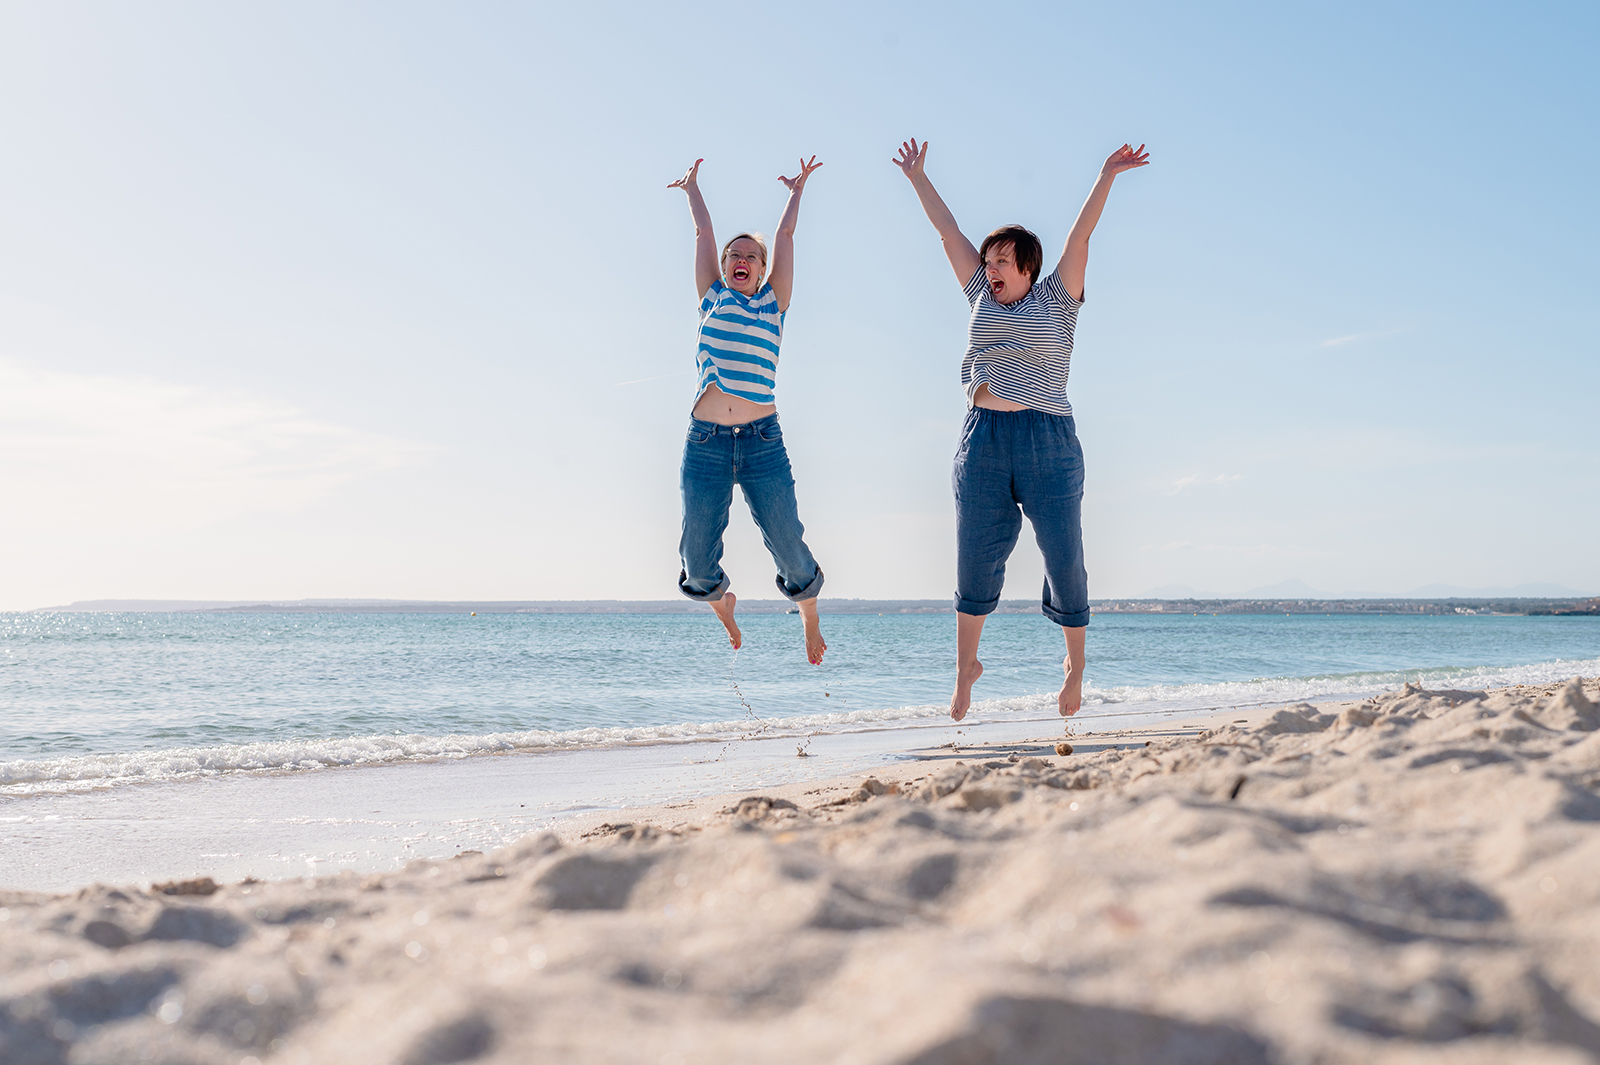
[
  {"x": 1076, "y": 620},
  {"x": 973, "y": 606},
  {"x": 707, "y": 597},
  {"x": 808, "y": 592}
]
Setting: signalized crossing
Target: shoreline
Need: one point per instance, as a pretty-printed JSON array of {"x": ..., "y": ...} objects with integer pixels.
[
  {"x": 375, "y": 818},
  {"x": 30, "y": 777},
  {"x": 1406, "y": 880},
  {"x": 693, "y": 814}
]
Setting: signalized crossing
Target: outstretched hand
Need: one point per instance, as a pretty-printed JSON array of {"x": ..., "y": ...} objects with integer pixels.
[
  {"x": 911, "y": 157},
  {"x": 689, "y": 179},
  {"x": 798, "y": 182},
  {"x": 1125, "y": 158}
]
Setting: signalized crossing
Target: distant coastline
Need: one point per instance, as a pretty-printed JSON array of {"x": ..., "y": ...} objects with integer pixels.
[{"x": 1453, "y": 605}]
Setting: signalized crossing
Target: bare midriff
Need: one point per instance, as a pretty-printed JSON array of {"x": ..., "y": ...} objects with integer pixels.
[
  {"x": 989, "y": 401},
  {"x": 718, "y": 407}
]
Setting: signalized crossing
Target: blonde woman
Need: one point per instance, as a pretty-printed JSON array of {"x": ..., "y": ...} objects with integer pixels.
[{"x": 734, "y": 437}]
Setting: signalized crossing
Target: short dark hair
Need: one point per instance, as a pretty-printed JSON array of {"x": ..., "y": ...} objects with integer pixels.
[{"x": 1024, "y": 245}]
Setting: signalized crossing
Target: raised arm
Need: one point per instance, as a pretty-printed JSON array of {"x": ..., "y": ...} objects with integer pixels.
[
  {"x": 957, "y": 248},
  {"x": 1075, "y": 256},
  {"x": 706, "y": 267},
  {"x": 781, "y": 276}
]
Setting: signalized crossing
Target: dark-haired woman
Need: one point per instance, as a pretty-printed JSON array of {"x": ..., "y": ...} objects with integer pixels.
[
  {"x": 1019, "y": 452},
  {"x": 734, "y": 437}
]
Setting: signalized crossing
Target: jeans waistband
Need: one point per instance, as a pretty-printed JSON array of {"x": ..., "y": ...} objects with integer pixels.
[
  {"x": 1023, "y": 415},
  {"x": 746, "y": 427}
]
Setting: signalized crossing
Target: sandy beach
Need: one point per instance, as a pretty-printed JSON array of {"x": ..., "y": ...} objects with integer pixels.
[{"x": 1411, "y": 878}]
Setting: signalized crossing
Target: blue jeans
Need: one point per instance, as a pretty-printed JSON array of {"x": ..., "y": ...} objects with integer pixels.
[
  {"x": 752, "y": 456},
  {"x": 1012, "y": 463}
]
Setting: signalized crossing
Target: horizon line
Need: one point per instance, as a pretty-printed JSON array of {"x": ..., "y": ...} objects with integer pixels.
[{"x": 921, "y": 605}]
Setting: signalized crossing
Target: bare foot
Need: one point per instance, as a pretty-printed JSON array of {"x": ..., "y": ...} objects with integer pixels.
[
  {"x": 724, "y": 608},
  {"x": 816, "y": 647},
  {"x": 966, "y": 677},
  {"x": 1071, "y": 697}
]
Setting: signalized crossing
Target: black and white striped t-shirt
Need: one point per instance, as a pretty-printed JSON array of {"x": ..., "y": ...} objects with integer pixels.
[{"x": 1023, "y": 350}]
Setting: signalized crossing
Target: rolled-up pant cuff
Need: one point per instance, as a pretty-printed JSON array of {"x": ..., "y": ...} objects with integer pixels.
[
  {"x": 808, "y": 592},
  {"x": 702, "y": 597},
  {"x": 975, "y": 606},
  {"x": 1077, "y": 619}
]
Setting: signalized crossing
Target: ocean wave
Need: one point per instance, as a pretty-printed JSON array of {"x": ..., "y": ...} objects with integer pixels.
[
  {"x": 78, "y": 772},
  {"x": 88, "y": 771},
  {"x": 1259, "y": 691}
]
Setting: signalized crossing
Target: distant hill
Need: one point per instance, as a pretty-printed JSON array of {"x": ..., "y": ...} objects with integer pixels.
[
  {"x": 1294, "y": 588},
  {"x": 1539, "y": 590},
  {"x": 1173, "y": 591}
]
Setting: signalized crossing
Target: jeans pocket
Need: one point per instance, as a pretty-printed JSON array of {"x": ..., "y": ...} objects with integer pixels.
[
  {"x": 1072, "y": 450},
  {"x": 772, "y": 433},
  {"x": 698, "y": 436},
  {"x": 968, "y": 427}
]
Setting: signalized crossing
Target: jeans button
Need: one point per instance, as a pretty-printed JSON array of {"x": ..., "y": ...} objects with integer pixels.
[{"x": 736, "y": 431}]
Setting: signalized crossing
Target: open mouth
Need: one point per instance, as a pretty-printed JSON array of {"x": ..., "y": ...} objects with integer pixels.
[
  {"x": 996, "y": 286},
  {"x": 740, "y": 273}
]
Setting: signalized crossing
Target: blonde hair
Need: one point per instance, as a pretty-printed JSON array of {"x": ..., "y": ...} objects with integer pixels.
[{"x": 761, "y": 242}]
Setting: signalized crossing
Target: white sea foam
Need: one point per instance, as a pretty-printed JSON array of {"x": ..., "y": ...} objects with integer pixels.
[
  {"x": 82, "y": 772},
  {"x": 179, "y": 763},
  {"x": 1309, "y": 689}
]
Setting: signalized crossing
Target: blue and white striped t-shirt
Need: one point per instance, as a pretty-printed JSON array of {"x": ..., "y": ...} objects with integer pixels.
[
  {"x": 739, "y": 338},
  {"x": 1023, "y": 350}
]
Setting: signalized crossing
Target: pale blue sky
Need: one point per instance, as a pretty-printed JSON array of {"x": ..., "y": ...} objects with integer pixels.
[{"x": 300, "y": 300}]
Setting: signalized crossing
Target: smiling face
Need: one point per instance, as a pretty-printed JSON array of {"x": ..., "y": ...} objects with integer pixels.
[
  {"x": 743, "y": 263},
  {"x": 1007, "y": 282}
]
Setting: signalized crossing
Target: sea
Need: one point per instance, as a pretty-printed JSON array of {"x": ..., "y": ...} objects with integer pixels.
[{"x": 94, "y": 701}]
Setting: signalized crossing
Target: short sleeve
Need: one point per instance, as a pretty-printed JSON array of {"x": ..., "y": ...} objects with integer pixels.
[
  {"x": 977, "y": 286},
  {"x": 1054, "y": 291},
  {"x": 709, "y": 300}
]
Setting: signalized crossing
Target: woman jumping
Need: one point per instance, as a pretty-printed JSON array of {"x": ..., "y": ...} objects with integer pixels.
[
  {"x": 1019, "y": 450},
  {"x": 734, "y": 436}
]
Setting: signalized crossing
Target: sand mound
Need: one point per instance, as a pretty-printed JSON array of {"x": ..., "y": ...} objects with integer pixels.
[{"x": 1409, "y": 879}]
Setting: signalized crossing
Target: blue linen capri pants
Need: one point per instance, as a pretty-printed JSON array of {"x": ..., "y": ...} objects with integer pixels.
[
  {"x": 752, "y": 456},
  {"x": 1012, "y": 463}
]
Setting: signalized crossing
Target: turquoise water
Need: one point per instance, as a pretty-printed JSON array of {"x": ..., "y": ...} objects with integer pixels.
[{"x": 97, "y": 698}]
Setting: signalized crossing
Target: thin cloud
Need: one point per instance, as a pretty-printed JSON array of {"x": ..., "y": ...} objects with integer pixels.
[
  {"x": 1196, "y": 479},
  {"x": 1356, "y": 338},
  {"x": 136, "y": 452}
]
